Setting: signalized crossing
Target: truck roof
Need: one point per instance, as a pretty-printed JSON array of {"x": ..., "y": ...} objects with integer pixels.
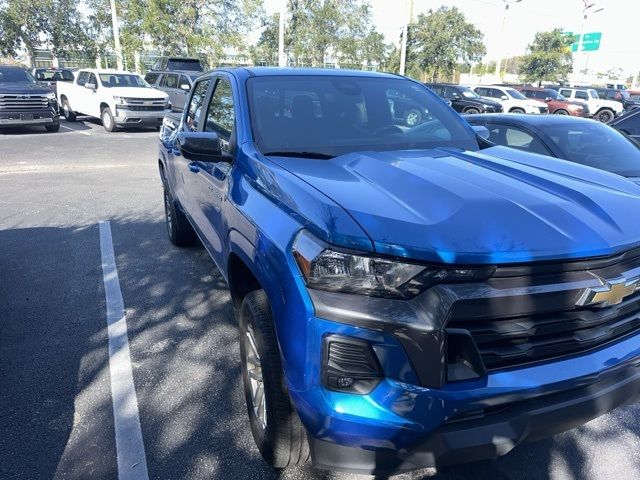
[
  {"x": 337, "y": 72},
  {"x": 113, "y": 71}
]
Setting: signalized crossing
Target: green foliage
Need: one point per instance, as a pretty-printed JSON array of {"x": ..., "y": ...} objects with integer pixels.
[
  {"x": 548, "y": 58},
  {"x": 439, "y": 40},
  {"x": 265, "y": 52}
]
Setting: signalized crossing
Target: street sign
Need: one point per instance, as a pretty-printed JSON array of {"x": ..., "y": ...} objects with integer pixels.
[{"x": 590, "y": 42}]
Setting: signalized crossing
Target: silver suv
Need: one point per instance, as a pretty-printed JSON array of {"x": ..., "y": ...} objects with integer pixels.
[{"x": 176, "y": 84}]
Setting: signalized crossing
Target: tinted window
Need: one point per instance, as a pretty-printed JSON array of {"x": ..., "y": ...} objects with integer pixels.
[
  {"x": 596, "y": 145},
  {"x": 184, "y": 64},
  {"x": 220, "y": 114},
  {"x": 183, "y": 81},
  {"x": 110, "y": 80},
  {"x": 54, "y": 75},
  {"x": 482, "y": 91},
  {"x": 450, "y": 92},
  {"x": 566, "y": 93},
  {"x": 516, "y": 138},
  {"x": 338, "y": 115},
  {"x": 495, "y": 93},
  {"x": 438, "y": 89},
  {"x": 83, "y": 77},
  {"x": 93, "y": 79},
  {"x": 630, "y": 124},
  {"x": 582, "y": 95},
  {"x": 195, "y": 105},
  {"x": 151, "y": 77},
  {"x": 169, "y": 80}
]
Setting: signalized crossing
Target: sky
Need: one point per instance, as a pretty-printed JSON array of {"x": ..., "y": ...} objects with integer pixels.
[{"x": 618, "y": 48}]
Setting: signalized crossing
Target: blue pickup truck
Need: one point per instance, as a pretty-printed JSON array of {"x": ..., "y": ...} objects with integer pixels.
[{"x": 407, "y": 295}]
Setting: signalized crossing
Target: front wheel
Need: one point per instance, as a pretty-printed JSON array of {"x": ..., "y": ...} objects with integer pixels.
[
  {"x": 605, "y": 115},
  {"x": 179, "y": 229},
  {"x": 69, "y": 115},
  {"x": 516, "y": 110},
  {"x": 561, "y": 112},
  {"x": 52, "y": 128},
  {"x": 275, "y": 425},
  {"x": 471, "y": 111},
  {"x": 108, "y": 122}
]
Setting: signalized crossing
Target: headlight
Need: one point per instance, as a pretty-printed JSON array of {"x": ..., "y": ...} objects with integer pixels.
[
  {"x": 51, "y": 96},
  {"x": 326, "y": 269},
  {"x": 119, "y": 99}
]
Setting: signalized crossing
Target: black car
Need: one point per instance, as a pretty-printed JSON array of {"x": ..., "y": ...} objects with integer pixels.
[
  {"x": 621, "y": 96},
  {"x": 628, "y": 123},
  {"x": 51, "y": 76},
  {"x": 464, "y": 100},
  {"x": 23, "y": 102},
  {"x": 579, "y": 140}
]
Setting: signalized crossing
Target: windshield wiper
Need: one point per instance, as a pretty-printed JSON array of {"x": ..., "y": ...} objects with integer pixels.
[{"x": 316, "y": 155}]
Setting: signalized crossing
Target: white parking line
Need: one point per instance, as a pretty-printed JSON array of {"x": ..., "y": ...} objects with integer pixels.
[
  {"x": 132, "y": 462},
  {"x": 74, "y": 130}
]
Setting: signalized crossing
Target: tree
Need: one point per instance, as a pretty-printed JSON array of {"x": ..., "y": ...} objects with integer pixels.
[
  {"x": 548, "y": 58},
  {"x": 266, "y": 49},
  {"x": 439, "y": 40}
]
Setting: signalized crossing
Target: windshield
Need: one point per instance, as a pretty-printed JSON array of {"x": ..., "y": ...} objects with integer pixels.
[
  {"x": 330, "y": 115},
  {"x": 468, "y": 93},
  {"x": 15, "y": 75},
  {"x": 515, "y": 94},
  {"x": 122, "y": 80},
  {"x": 595, "y": 145},
  {"x": 54, "y": 75}
]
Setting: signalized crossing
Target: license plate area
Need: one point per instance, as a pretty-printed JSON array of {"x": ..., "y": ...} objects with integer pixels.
[{"x": 26, "y": 116}]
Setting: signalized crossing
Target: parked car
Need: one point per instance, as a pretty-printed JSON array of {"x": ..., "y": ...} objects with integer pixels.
[
  {"x": 51, "y": 76},
  {"x": 629, "y": 124},
  {"x": 617, "y": 86},
  {"x": 119, "y": 99},
  {"x": 24, "y": 102},
  {"x": 406, "y": 296},
  {"x": 177, "y": 64},
  {"x": 176, "y": 84},
  {"x": 617, "y": 95},
  {"x": 579, "y": 140},
  {"x": 600, "y": 109},
  {"x": 464, "y": 100},
  {"x": 557, "y": 104},
  {"x": 512, "y": 100}
]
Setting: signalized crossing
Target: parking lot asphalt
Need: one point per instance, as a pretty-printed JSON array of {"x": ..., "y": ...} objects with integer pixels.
[{"x": 56, "y": 410}]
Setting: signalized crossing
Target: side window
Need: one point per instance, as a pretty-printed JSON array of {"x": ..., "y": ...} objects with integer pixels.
[
  {"x": 582, "y": 95},
  {"x": 195, "y": 105},
  {"x": 515, "y": 138},
  {"x": 220, "y": 114},
  {"x": 93, "y": 79},
  {"x": 183, "y": 81},
  {"x": 495, "y": 93},
  {"x": 151, "y": 78},
  {"x": 631, "y": 124},
  {"x": 483, "y": 92},
  {"x": 565, "y": 93},
  {"x": 83, "y": 77},
  {"x": 170, "y": 81},
  {"x": 437, "y": 90},
  {"x": 528, "y": 93},
  {"x": 449, "y": 92}
]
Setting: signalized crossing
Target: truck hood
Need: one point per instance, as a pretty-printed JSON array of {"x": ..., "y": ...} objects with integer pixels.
[
  {"x": 496, "y": 206},
  {"x": 23, "y": 88},
  {"x": 137, "y": 92}
]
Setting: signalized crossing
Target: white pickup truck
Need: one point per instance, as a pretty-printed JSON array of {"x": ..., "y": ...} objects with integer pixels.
[{"x": 119, "y": 99}]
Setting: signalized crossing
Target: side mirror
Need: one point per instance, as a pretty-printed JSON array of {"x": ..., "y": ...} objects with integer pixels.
[
  {"x": 201, "y": 146},
  {"x": 481, "y": 131},
  {"x": 90, "y": 86},
  {"x": 504, "y": 97},
  {"x": 185, "y": 87}
]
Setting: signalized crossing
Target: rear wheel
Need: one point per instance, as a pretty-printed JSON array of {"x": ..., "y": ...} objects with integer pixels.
[
  {"x": 179, "y": 229},
  {"x": 52, "y": 128},
  {"x": 275, "y": 425},
  {"x": 69, "y": 115},
  {"x": 108, "y": 122},
  {"x": 516, "y": 110},
  {"x": 471, "y": 111},
  {"x": 605, "y": 115}
]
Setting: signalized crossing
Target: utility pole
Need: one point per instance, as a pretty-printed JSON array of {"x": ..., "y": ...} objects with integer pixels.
[
  {"x": 282, "y": 61},
  {"x": 116, "y": 35},
  {"x": 405, "y": 31},
  {"x": 504, "y": 21},
  {"x": 585, "y": 14}
]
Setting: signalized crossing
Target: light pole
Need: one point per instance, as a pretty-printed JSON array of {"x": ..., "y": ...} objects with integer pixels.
[
  {"x": 504, "y": 20},
  {"x": 116, "y": 36},
  {"x": 282, "y": 60},
  {"x": 405, "y": 31},
  {"x": 586, "y": 11}
]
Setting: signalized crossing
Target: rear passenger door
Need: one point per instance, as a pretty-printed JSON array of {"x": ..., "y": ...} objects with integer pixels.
[{"x": 169, "y": 84}]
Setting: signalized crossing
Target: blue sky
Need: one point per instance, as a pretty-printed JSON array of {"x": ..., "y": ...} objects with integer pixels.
[{"x": 619, "y": 47}]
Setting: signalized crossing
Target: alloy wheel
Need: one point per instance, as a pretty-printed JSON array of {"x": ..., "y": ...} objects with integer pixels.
[{"x": 253, "y": 366}]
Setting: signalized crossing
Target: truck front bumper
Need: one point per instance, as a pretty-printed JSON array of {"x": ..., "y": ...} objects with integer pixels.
[
  {"x": 128, "y": 117},
  {"x": 28, "y": 118}
]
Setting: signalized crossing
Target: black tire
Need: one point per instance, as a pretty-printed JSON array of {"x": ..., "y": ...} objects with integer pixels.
[
  {"x": 68, "y": 114},
  {"x": 281, "y": 439},
  {"x": 52, "y": 128},
  {"x": 605, "y": 115},
  {"x": 560, "y": 111},
  {"x": 108, "y": 121},
  {"x": 412, "y": 118},
  {"x": 179, "y": 229},
  {"x": 516, "y": 110},
  {"x": 470, "y": 111}
]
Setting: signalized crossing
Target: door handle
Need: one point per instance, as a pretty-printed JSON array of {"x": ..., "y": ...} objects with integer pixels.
[{"x": 194, "y": 167}]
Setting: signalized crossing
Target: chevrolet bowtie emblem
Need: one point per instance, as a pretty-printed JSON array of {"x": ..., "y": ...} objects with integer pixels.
[{"x": 611, "y": 292}]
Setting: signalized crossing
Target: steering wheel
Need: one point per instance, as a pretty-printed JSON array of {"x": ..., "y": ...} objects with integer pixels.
[{"x": 387, "y": 130}]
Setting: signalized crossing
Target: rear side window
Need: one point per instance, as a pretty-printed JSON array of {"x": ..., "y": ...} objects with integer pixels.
[
  {"x": 565, "y": 93},
  {"x": 169, "y": 81},
  {"x": 83, "y": 77},
  {"x": 183, "y": 81},
  {"x": 151, "y": 77},
  {"x": 195, "y": 105},
  {"x": 582, "y": 95},
  {"x": 483, "y": 92}
]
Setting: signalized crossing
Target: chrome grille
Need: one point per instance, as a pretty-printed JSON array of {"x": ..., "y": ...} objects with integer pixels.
[
  {"x": 145, "y": 101},
  {"x": 23, "y": 102}
]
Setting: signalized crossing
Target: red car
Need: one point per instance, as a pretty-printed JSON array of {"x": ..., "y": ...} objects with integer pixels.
[{"x": 558, "y": 104}]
